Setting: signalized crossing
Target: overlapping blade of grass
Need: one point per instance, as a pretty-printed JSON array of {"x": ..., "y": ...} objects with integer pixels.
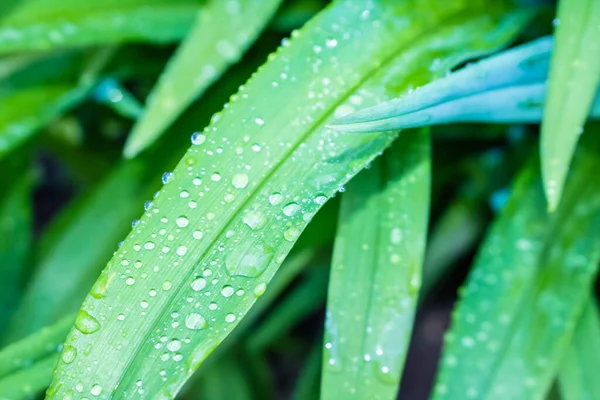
[
  {"x": 230, "y": 211},
  {"x": 40, "y": 90},
  {"x": 573, "y": 81},
  {"x": 523, "y": 65},
  {"x": 16, "y": 236},
  {"x": 59, "y": 24},
  {"x": 222, "y": 33},
  {"x": 376, "y": 273},
  {"x": 525, "y": 294},
  {"x": 577, "y": 374},
  {"x": 509, "y": 87}
]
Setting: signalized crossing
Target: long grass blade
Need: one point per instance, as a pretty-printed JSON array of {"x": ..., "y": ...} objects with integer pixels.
[
  {"x": 59, "y": 24},
  {"x": 222, "y": 32},
  {"x": 573, "y": 81},
  {"x": 229, "y": 213},
  {"x": 525, "y": 294},
  {"x": 376, "y": 273},
  {"x": 576, "y": 377}
]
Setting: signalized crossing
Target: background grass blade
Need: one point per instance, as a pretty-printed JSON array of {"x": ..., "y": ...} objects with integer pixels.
[
  {"x": 576, "y": 378},
  {"x": 26, "y": 366},
  {"x": 255, "y": 177},
  {"x": 512, "y": 346},
  {"x": 58, "y": 24},
  {"x": 28, "y": 382},
  {"x": 574, "y": 77},
  {"x": 376, "y": 273},
  {"x": 16, "y": 234},
  {"x": 221, "y": 34},
  {"x": 42, "y": 89},
  {"x": 301, "y": 302}
]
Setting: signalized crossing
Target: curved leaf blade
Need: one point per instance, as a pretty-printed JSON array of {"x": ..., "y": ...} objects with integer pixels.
[
  {"x": 244, "y": 221},
  {"x": 573, "y": 81},
  {"x": 376, "y": 273},
  {"x": 221, "y": 34}
]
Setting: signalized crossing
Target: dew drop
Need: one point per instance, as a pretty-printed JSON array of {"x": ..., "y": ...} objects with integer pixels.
[
  {"x": 291, "y": 234},
  {"x": 197, "y": 235},
  {"x": 195, "y": 321},
  {"x": 182, "y": 222},
  {"x": 198, "y": 138},
  {"x": 259, "y": 121},
  {"x": 167, "y": 177},
  {"x": 198, "y": 284},
  {"x": 129, "y": 281},
  {"x": 275, "y": 198},
  {"x": 254, "y": 219},
  {"x": 216, "y": 177},
  {"x": 227, "y": 291},
  {"x": 230, "y": 317},
  {"x": 96, "y": 390},
  {"x": 239, "y": 181},
  {"x": 260, "y": 289},
  {"x": 69, "y": 353},
  {"x": 250, "y": 260},
  {"x": 174, "y": 345},
  {"x": 291, "y": 209},
  {"x": 85, "y": 323}
]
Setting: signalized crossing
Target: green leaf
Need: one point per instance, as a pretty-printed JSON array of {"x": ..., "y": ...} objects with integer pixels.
[
  {"x": 576, "y": 377},
  {"x": 59, "y": 24},
  {"x": 15, "y": 231},
  {"x": 573, "y": 82},
  {"x": 526, "y": 291},
  {"x": 376, "y": 273},
  {"x": 256, "y": 176},
  {"x": 221, "y": 34}
]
